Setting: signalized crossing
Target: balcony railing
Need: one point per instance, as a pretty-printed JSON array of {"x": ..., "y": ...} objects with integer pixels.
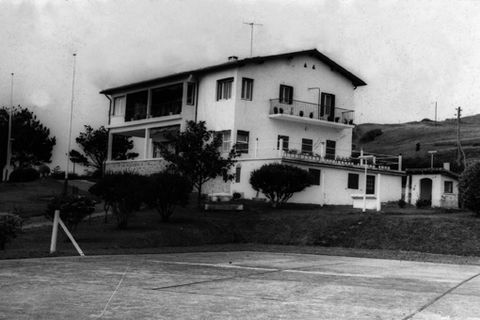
[{"x": 311, "y": 111}]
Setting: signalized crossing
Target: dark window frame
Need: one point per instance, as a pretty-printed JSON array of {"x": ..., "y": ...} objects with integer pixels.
[
  {"x": 327, "y": 108},
  {"x": 241, "y": 146},
  {"x": 285, "y": 142},
  {"x": 310, "y": 145},
  {"x": 353, "y": 181},
  {"x": 191, "y": 91},
  {"x": 286, "y": 94},
  {"x": 450, "y": 186},
  {"x": 370, "y": 185},
  {"x": 222, "y": 85},
  {"x": 238, "y": 174},
  {"x": 330, "y": 145},
  {"x": 247, "y": 89},
  {"x": 315, "y": 175}
]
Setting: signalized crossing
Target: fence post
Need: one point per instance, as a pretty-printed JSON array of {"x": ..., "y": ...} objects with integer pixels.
[{"x": 53, "y": 242}]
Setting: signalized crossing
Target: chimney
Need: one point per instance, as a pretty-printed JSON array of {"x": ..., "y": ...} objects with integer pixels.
[
  {"x": 446, "y": 166},
  {"x": 232, "y": 58}
]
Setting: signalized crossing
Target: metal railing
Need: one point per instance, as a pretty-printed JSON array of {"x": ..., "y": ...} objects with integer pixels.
[{"x": 311, "y": 110}]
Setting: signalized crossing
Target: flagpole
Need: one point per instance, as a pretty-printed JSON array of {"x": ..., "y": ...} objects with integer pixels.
[
  {"x": 6, "y": 170},
  {"x": 65, "y": 187}
]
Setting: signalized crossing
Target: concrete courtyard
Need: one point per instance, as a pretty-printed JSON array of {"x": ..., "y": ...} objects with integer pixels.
[{"x": 236, "y": 285}]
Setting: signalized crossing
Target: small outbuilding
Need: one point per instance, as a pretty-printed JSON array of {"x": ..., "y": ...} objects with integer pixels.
[{"x": 436, "y": 186}]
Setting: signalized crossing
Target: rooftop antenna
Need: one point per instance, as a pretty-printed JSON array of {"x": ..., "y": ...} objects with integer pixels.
[{"x": 252, "y": 24}]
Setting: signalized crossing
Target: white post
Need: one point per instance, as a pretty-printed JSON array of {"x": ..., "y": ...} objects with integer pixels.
[
  {"x": 53, "y": 242},
  {"x": 407, "y": 190},
  {"x": 365, "y": 190},
  {"x": 400, "y": 162},
  {"x": 322, "y": 150},
  {"x": 147, "y": 141},
  {"x": 379, "y": 202},
  {"x": 361, "y": 156},
  {"x": 256, "y": 148},
  {"x": 69, "y": 235}
]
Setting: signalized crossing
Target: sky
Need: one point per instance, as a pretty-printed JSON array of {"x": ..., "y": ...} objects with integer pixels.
[{"x": 411, "y": 53}]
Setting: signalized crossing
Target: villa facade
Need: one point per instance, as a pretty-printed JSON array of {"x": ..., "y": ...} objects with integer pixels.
[{"x": 295, "y": 108}]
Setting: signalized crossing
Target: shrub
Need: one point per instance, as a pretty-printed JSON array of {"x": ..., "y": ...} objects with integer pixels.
[
  {"x": 423, "y": 203},
  {"x": 24, "y": 175},
  {"x": 168, "y": 190},
  {"x": 73, "y": 209},
  {"x": 401, "y": 203},
  {"x": 44, "y": 170},
  {"x": 469, "y": 187},
  {"x": 279, "y": 181},
  {"x": 10, "y": 226},
  {"x": 236, "y": 196},
  {"x": 371, "y": 135},
  {"x": 123, "y": 192}
]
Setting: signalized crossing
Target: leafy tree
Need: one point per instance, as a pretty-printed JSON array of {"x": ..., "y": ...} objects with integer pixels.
[
  {"x": 10, "y": 226},
  {"x": 278, "y": 182},
  {"x": 124, "y": 192},
  {"x": 94, "y": 143},
  {"x": 167, "y": 190},
  {"x": 32, "y": 144},
  {"x": 469, "y": 186},
  {"x": 197, "y": 155},
  {"x": 73, "y": 209}
]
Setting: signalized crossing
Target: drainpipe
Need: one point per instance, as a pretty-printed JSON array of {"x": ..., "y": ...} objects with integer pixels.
[{"x": 197, "y": 87}]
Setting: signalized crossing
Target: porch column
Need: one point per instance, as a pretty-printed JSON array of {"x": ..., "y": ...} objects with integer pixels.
[
  {"x": 379, "y": 202},
  {"x": 400, "y": 162},
  {"x": 407, "y": 189},
  {"x": 109, "y": 146},
  {"x": 322, "y": 150},
  {"x": 147, "y": 142}
]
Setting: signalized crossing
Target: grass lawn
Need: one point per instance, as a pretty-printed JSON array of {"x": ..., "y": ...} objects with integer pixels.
[
  {"x": 29, "y": 199},
  {"x": 395, "y": 233}
]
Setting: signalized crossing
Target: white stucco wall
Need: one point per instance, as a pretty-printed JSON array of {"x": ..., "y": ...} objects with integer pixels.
[{"x": 439, "y": 197}]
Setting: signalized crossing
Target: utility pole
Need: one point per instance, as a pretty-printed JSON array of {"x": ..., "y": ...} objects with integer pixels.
[
  {"x": 65, "y": 186},
  {"x": 460, "y": 152},
  {"x": 8, "y": 163},
  {"x": 252, "y": 24}
]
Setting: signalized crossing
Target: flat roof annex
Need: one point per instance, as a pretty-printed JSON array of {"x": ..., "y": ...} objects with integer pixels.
[{"x": 356, "y": 81}]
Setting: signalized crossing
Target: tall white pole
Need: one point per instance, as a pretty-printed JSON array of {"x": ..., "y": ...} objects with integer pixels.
[
  {"x": 6, "y": 171},
  {"x": 70, "y": 125}
]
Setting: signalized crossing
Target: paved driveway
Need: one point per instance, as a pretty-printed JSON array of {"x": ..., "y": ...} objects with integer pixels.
[{"x": 236, "y": 285}]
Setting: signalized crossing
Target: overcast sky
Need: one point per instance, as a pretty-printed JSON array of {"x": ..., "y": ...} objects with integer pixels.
[{"x": 411, "y": 53}]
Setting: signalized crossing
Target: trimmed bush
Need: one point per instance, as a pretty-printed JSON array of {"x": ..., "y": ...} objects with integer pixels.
[
  {"x": 401, "y": 203},
  {"x": 24, "y": 175},
  {"x": 44, "y": 170},
  {"x": 278, "y": 182},
  {"x": 124, "y": 193},
  {"x": 371, "y": 135},
  {"x": 73, "y": 209},
  {"x": 469, "y": 186},
  {"x": 10, "y": 226},
  {"x": 423, "y": 203},
  {"x": 168, "y": 190}
]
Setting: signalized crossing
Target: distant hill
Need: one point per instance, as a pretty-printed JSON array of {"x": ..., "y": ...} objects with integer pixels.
[{"x": 403, "y": 138}]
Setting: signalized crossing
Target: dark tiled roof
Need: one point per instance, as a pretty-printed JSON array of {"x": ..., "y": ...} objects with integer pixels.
[
  {"x": 441, "y": 171},
  {"x": 356, "y": 81}
]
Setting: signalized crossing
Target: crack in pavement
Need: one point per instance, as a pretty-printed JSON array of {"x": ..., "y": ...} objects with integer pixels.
[{"x": 425, "y": 306}]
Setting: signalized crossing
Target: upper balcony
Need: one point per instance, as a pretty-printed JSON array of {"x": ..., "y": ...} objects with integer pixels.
[{"x": 311, "y": 113}]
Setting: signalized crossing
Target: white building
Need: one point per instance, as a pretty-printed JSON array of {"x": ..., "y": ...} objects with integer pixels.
[
  {"x": 294, "y": 108},
  {"x": 439, "y": 186}
]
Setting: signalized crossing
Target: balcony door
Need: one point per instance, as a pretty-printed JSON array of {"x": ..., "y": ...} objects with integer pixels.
[{"x": 327, "y": 107}]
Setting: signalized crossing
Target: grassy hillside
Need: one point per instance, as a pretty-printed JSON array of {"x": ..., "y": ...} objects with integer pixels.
[{"x": 403, "y": 138}]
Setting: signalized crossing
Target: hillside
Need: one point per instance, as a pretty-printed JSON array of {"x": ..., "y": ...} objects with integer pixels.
[{"x": 404, "y": 137}]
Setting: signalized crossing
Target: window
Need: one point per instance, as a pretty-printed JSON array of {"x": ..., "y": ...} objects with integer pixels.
[
  {"x": 353, "y": 181},
  {"x": 247, "y": 89},
  {"x": 238, "y": 173},
  {"x": 118, "y": 106},
  {"x": 136, "y": 106},
  {"x": 226, "y": 140},
  {"x": 327, "y": 107},
  {"x": 166, "y": 100},
  {"x": 330, "y": 149},
  {"x": 190, "y": 93},
  {"x": 224, "y": 89},
  {"x": 315, "y": 176},
  {"x": 448, "y": 187},
  {"x": 284, "y": 143},
  {"x": 242, "y": 141},
  {"x": 307, "y": 146},
  {"x": 286, "y": 94},
  {"x": 370, "y": 185}
]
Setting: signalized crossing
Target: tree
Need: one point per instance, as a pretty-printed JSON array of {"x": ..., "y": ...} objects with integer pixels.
[
  {"x": 167, "y": 190},
  {"x": 278, "y": 182},
  {"x": 32, "y": 144},
  {"x": 94, "y": 143},
  {"x": 197, "y": 155},
  {"x": 469, "y": 186}
]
